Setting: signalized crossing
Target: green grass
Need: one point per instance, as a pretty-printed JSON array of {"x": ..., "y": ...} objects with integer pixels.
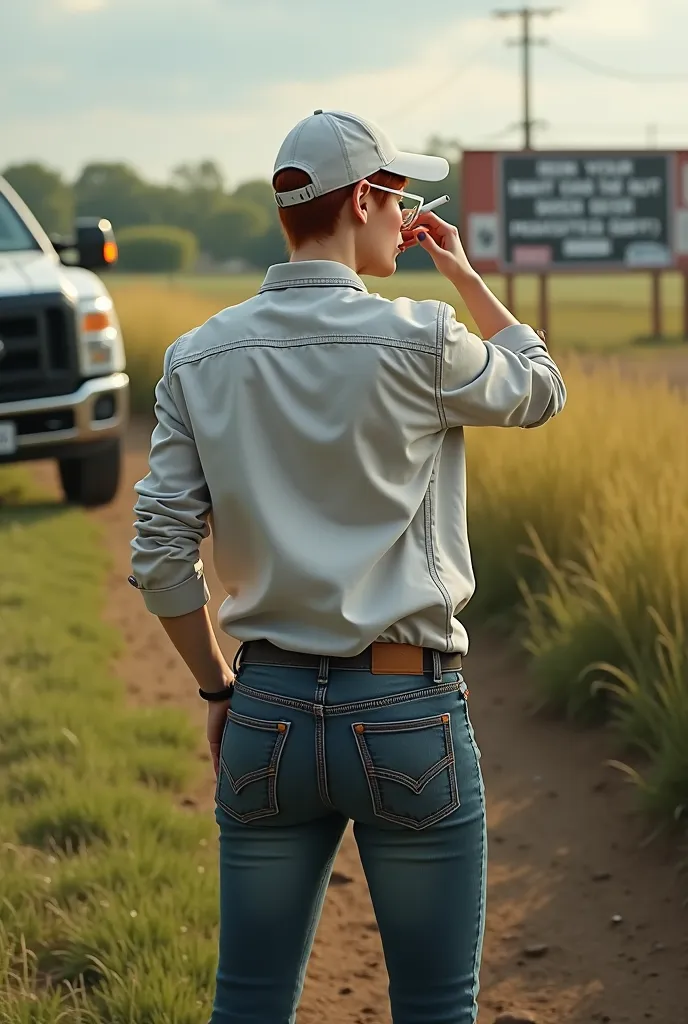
[{"x": 107, "y": 888}]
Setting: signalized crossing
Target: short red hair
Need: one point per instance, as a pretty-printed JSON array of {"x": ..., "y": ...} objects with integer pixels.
[{"x": 318, "y": 218}]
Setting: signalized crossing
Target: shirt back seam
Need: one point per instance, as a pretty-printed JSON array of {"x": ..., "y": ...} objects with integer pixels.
[{"x": 304, "y": 342}]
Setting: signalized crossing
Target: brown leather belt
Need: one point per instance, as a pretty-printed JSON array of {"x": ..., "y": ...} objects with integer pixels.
[{"x": 379, "y": 658}]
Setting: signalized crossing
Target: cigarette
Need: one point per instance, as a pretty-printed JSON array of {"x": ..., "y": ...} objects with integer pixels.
[{"x": 429, "y": 207}]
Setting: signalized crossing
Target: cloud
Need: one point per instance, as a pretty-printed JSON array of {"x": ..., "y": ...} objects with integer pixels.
[
  {"x": 609, "y": 20},
  {"x": 220, "y": 49},
  {"x": 225, "y": 79},
  {"x": 81, "y": 6},
  {"x": 459, "y": 64}
]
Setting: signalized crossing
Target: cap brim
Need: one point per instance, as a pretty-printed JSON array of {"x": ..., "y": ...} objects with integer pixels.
[{"x": 419, "y": 165}]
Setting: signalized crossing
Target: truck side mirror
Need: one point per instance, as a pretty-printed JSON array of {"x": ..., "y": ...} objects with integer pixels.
[{"x": 95, "y": 243}]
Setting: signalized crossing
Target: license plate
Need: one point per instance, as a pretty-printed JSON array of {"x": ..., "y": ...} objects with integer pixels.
[{"x": 8, "y": 438}]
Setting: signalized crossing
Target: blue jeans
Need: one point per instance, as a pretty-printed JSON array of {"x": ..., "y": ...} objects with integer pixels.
[{"x": 303, "y": 753}]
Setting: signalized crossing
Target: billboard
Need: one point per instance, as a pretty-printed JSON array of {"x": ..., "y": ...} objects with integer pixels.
[{"x": 559, "y": 210}]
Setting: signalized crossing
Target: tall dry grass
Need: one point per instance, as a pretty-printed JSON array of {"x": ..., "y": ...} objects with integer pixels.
[
  {"x": 152, "y": 316},
  {"x": 579, "y": 536}
]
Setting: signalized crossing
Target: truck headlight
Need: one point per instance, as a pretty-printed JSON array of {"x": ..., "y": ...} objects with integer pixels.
[
  {"x": 101, "y": 343},
  {"x": 97, "y": 321}
]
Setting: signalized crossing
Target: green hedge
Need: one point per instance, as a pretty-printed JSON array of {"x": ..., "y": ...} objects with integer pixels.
[{"x": 156, "y": 248}]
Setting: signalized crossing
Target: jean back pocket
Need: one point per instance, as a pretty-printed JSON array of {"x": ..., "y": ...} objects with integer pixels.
[
  {"x": 249, "y": 767},
  {"x": 410, "y": 768}
]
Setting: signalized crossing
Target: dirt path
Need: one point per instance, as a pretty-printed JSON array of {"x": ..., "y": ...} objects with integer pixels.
[{"x": 566, "y": 851}]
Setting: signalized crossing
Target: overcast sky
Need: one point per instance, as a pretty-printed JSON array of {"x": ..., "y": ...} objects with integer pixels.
[{"x": 157, "y": 82}]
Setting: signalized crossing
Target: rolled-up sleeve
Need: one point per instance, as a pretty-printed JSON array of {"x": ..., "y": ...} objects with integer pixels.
[
  {"x": 509, "y": 381},
  {"x": 172, "y": 511}
]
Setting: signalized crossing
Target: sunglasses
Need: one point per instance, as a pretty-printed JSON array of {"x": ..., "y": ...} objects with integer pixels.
[{"x": 409, "y": 204}]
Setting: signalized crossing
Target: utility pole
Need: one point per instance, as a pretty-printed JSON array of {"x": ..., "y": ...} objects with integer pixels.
[{"x": 526, "y": 14}]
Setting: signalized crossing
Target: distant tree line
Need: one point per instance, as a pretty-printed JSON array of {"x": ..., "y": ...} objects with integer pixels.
[{"x": 167, "y": 227}]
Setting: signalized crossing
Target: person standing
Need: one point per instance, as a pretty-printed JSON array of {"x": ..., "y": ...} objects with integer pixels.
[{"x": 318, "y": 430}]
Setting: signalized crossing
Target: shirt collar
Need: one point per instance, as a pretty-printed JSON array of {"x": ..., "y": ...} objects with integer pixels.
[{"x": 311, "y": 274}]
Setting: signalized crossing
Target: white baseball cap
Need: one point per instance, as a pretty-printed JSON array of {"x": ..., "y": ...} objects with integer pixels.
[{"x": 337, "y": 149}]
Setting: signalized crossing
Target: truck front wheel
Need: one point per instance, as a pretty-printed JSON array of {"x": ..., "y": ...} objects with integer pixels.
[{"x": 92, "y": 480}]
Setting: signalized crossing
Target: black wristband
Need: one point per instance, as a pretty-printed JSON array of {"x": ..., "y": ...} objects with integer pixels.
[{"x": 217, "y": 695}]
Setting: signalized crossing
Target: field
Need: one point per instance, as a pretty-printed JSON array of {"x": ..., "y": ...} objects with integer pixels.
[
  {"x": 108, "y": 891},
  {"x": 589, "y": 315}
]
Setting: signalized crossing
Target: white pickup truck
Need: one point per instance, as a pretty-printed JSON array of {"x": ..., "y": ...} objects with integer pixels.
[{"x": 64, "y": 394}]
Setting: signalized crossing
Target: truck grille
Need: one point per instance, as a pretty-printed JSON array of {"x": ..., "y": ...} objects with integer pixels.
[{"x": 39, "y": 356}]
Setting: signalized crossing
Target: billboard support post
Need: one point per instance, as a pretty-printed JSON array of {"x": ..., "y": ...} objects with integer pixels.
[
  {"x": 657, "y": 325},
  {"x": 543, "y": 280}
]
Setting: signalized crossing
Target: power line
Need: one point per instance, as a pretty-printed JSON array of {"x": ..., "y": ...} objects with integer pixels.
[
  {"x": 620, "y": 126},
  {"x": 572, "y": 134},
  {"x": 526, "y": 41},
  {"x": 501, "y": 133},
  {"x": 417, "y": 101},
  {"x": 603, "y": 69}
]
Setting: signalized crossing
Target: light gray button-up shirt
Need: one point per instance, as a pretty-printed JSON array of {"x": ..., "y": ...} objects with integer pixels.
[{"x": 317, "y": 429}]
